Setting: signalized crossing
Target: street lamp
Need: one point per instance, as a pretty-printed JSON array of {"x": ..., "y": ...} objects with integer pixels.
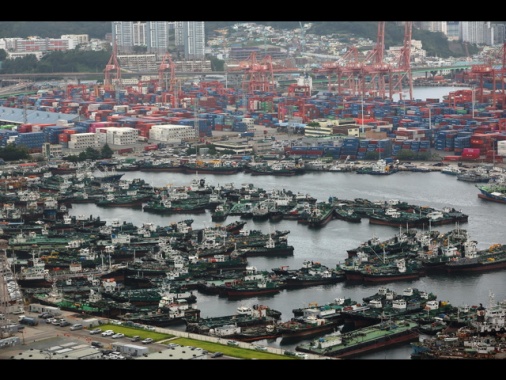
[
  {"x": 472, "y": 101},
  {"x": 362, "y": 103}
]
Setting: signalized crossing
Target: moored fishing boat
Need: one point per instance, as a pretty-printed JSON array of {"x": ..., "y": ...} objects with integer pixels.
[
  {"x": 492, "y": 258},
  {"x": 311, "y": 274},
  {"x": 246, "y": 316},
  {"x": 320, "y": 214},
  {"x": 127, "y": 200},
  {"x": 306, "y": 327},
  {"x": 367, "y": 339},
  {"x": 493, "y": 192},
  {"x": 271, "y": 248},
  {"x": 399, "y": 271},
  {"x": 387, "y": 304}
]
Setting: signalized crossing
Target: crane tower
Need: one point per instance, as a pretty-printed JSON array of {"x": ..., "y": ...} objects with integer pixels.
[{"x": 111, "y": 66}]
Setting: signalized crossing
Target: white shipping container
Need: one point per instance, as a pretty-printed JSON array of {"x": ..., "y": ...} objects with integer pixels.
[{"x": 501, "y": 151}]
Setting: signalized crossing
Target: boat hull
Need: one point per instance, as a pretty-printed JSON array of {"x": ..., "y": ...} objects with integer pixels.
[{"x": 492, "y": 198}]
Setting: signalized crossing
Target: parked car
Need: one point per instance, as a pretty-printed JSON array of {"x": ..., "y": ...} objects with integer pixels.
[
  {"x": 95, "y": 331},
  {"x": 217, "y": 354},
  {"x": 117, "y": 336},
  {"x": 135, "y": 338},
  {"x": 108, "y": 333},
  {"x": 76, "y": 326},
  {"x": 97, "y": 344},
  {"x": 147, "y": 341},
  {"x": 65, "y": 323}
]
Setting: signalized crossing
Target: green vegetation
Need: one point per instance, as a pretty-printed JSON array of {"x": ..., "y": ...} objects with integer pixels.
[
  {"x": 91, "y": 154},
  {"x": 14, "y": 152},
  {"x": 59, "y": 61},
  {"x": 233, "y": 351},
  {"x": 54, "y": 29}
]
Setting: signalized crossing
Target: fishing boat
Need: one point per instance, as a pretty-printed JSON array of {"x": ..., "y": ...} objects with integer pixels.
[
  {"x": 346, "y": 214},
  {"x": 403, "y": 241},
  {"x": 451, "y": 170},
  {"x": 433, "y": 328},
  {"x": 167, "y": 206},
  {"x": 306, "y": 327},
  {"x": 380, "y": 167},
  {"x": 216, "y": 167},
  {"x": 368, "y": 339},
  {"x": 311, "y": 274},
  {"x": 129, "y": 199},
  {"x": 475, "y": 260},
  {"x": 399, "y": 270},
  {"x": 475, "y": 176},
  {"x": 246, "y": 316},
  {"x": 396, "y": 218},
  {"x": 34, "y": 276},
  {"x": 328, "y": 310},
  {"x": 254, "y": 288},
  {"x": 234, "y": 227},
  {"x": 276, "y": 169},
  {"x": 386, "y": 304},
  {"x": 253, "y": 283},
  {"x": 271, "y": 248},
  {"x": 255, "y": 333},
  {"x": 493, "y": 192},
  {"x": 159, "y": 166},
  {"x": 220, "y": 213},
  {"x": 321, "y": 213}
]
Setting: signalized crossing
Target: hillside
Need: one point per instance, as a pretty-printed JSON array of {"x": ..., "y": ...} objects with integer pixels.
[{"x": 435, "y": 44}]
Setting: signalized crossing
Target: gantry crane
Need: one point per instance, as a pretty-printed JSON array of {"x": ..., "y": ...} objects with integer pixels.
[
  {"x": 168, "y": 65},
  {"x": 402, "y": 72},
  {"x": 363, "y": 75},
  {"x": 112, "y": 65},
  {"x": 375, "y": 68},
  {"x": 258, "y": 76}
]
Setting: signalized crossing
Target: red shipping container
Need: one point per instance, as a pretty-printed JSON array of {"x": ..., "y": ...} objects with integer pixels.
[
  {"x": 470, "y": 153},
  {"x": 451, "y": 158}
]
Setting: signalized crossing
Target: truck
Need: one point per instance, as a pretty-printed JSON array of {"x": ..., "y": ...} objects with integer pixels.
[{"x": 29, "y": 321}]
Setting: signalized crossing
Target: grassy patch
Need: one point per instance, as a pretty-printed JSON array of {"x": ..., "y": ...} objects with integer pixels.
[
  {"x": 236, "y": 352},
  {"x": 131, "y": 331}
]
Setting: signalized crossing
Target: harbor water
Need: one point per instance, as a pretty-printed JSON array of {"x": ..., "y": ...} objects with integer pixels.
[{"x": 330, "y": 243}]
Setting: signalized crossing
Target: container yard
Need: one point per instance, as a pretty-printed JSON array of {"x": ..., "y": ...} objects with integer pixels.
[{"x": 354, "y": 119}]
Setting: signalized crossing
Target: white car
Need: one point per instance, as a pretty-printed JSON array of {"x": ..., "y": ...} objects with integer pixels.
[
  {"x": 117, "y": 336},
  {"x": 108, "y": 333},
  {"x": 95, "y": 331}
]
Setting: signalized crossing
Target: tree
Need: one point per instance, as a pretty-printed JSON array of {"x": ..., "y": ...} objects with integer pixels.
[
  {"x": 92, "y": 154},
  {"x": 14, "y": 152},
  {"x": 3, "y": 55},
  {"x": 106, "y": 151}
]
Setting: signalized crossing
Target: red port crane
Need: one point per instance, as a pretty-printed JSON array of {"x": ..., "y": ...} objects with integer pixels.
[
  {"x": 112, "y": 65},
  {"x": 258, "y": 76},
  {"x": 402, "y": 72},
  {"x": 168, "y": 65}
]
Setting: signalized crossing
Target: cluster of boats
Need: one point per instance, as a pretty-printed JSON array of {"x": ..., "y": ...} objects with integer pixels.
[
  {"x": 345, "y": 328},
  {"x": 480, "y": 338},
  {"x": 152, "y": 274},
  {"x": 414, "y": 253}
]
